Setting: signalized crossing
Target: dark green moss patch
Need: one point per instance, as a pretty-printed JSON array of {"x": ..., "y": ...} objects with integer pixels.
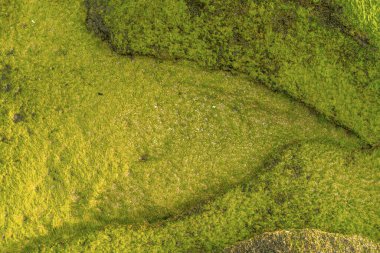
[
  {"x": 94, "y": 19},
  {"x": 18, "y": 117}
]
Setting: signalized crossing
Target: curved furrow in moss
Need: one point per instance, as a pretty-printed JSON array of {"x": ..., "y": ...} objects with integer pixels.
[
  {"x": 315, "y": 51},
  {"x": 305, "y": 186}
]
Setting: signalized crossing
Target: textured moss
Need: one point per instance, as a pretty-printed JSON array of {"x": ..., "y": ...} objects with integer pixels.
[
  {"x": 299, "y": 241},
  {"x": 316, "y": 51},
  {"x": 304, "y": 186},
  {"x": 100, "y": 152}
]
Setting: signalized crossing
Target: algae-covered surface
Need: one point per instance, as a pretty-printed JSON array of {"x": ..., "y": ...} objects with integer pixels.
[{"x": 107, "y": 152}]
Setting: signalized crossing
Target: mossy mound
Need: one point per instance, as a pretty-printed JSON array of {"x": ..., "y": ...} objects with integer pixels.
[
  {"x": 307, "y": 240},
  {"x": 315, "y": 51}
]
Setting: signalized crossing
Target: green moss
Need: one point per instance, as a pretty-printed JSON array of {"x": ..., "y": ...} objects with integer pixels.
[
  {"x": 363, "y": 15},
  {"x": 299, "y": 241},
  {"x": 313, "y": 51},
  {"x": 358, "y": 18},
  {"x": 94, "y": 144},
  {"x": 305, "y": 186}
]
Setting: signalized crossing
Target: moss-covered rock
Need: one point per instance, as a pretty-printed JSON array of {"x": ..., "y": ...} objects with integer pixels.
[
  {"x": 316, "y": 51},
  {"x": 306, "y": 240}
]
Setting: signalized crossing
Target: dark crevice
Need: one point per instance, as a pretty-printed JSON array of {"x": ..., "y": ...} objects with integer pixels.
[{"x": 94, "y": 20}]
